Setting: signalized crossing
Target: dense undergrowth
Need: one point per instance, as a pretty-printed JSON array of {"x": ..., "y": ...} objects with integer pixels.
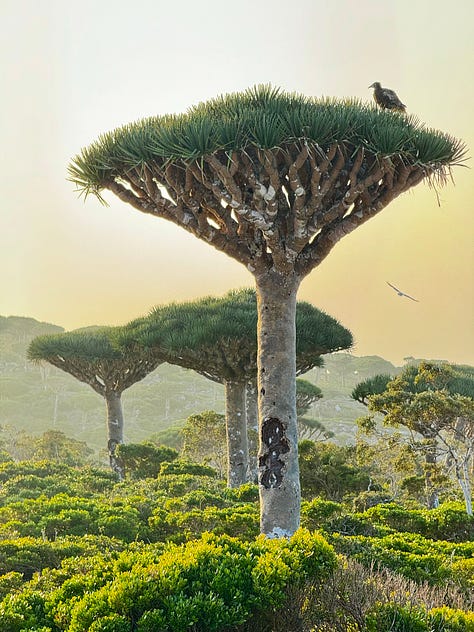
[{"x": 181, "y": 552}]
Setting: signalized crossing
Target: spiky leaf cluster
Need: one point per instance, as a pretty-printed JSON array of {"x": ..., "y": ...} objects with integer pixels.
[
  {"x": 218, "y": 336},
  {"x": 264, "y": 117},
  {"x": 91, "y": 356},
  {"x": 92, "y": 346}
]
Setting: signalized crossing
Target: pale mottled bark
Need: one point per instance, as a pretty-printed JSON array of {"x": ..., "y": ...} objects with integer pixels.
[
  {"x": 432, "y": 496},
  {"x": 236, "y": 430},
  {"x": 279, "y": 485},
  {"x": 114, "y": 429},
  {"x": 251, "y": 405},
  {"x": 252, "y": 428}
]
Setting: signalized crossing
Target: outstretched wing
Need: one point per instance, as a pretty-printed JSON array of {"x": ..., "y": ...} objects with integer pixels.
[
  {"x": 400, "y": 293},
  {"x": 395, "y": 288},
  {"x": 410, "y": 297}
]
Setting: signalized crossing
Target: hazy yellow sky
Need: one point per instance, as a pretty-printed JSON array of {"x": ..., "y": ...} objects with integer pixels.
[{"x": 71, "y": 70}]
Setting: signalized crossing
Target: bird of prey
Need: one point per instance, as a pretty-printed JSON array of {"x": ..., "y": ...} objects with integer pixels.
[
  {"x": 400, "y": 293},
  {"x": 387, "y": 99}
]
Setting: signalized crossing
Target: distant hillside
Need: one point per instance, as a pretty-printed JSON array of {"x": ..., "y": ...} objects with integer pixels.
[
  {"x": 37, "y": 398},
  {"x": 15, "y": 335}
]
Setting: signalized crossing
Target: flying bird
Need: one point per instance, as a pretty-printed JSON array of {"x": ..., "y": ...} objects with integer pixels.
[
  {"x": 400, "y": 293},
  {"x": 387, "y": 99}
]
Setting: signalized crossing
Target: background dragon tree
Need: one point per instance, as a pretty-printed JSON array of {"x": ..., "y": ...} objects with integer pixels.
[
  {"x": 91, "y": 358},
  {"x": 273, "y": 180},
  {"x": 217, "y": 337}
]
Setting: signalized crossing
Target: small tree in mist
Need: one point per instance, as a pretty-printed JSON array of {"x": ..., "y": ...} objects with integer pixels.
[{"x": 90, "y": 357}]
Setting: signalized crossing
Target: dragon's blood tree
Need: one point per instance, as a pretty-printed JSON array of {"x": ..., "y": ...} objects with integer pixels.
[
  {"x": 90, "y": 356},
  {"x": 274, "y": 180},
  {"x": 217, "y": 337}
]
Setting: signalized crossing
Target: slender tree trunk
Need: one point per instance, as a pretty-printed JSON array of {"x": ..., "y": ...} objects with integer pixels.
[
  {"x": 114, "y": 429},
  {"x": 279, "y": 484},
  {"x": 252, "y": 426},
  {"x": 236, "y": 430},
  {"x": 462, "y": 475},
  {"x": 432, "y": 498},
  {"x": 251, "y": 406},
  {"x": 465, "y": 484}
]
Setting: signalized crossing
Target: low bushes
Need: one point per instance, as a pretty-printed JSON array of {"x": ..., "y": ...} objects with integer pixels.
[
  {"x": 394, "y": 617},
  {"x": 89, "y": 553},
  {"x": 209, "y": 583},
  {"x": 411, "y": 555},
  {"x": 31, "y": 555}
]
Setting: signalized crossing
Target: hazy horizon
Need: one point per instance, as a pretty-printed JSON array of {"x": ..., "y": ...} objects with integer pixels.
[{"x": 71, "y": 74}]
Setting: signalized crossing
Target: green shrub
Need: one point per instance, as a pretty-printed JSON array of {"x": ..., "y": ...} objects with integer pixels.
[
  {"x": 391, "y": 617},
  {"x": 447, "y": 522},
  {"x": 238, "y": 521},
  {"x": 210, "y": 583},
  {"x": 367, "y": 499},
  {"x": 30, "y": 555},
  {"x": 180, "y": 466},
  {"x": 144, "y": 460},
  {"x": 318, "y": 511},
  {"x": 112, "y": 623},
  {"x": 246, "y": 493},
  {"x": 28, "y": 479},
  {"x": 10, "y": 583},
  {"x": 463, "y": 570},
  {"x": 24, "y": 612},
  {"x": 450, "y": 620},
  {"x": 152, "y": 621},
  {"x": 411, "y": 555}
]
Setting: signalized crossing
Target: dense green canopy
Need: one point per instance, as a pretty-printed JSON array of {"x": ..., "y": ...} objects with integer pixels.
[
  {"x": 217, "y": 336},
  {"x": 90, "y": 356},
  {"x": 82, "y": 344},
  {"x": 454, "y": 378},
  {"x": 263, "y": 117}
]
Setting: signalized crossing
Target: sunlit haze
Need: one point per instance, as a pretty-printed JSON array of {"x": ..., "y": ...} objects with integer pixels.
[{"x": 71, "y": 71}]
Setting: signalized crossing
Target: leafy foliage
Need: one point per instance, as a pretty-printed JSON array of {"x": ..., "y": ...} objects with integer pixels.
[
  {"x": 103, "y": 555},
  {"x": 264, "y": 117},
  {"x": 143, "y": 460},
  {"x": 209, "y": 583},
  {"x": 218, "y": 336},
  {"x": 326, "y": 470},
  {"x": 427, "y": 400},
  {"x": 205, "y": 440},
  {"x": 85, "y": 345}
]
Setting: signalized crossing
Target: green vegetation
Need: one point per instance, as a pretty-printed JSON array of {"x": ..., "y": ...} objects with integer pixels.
[
  {"x": 217, "y": 337},
  {"x": 434, "y": 402},
  {"x": 273, "y": 180},
  {"x": 166, "y": 397},
  {"x": 91, "y": 357},
  {"x": 179, "y": 550},
  {"x": 264, "y": 117}
]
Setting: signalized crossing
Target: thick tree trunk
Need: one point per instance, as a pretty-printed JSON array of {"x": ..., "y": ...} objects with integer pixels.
[
  {"x": 236, "y": 429},
  {"x": 114, "y": 429},
  {"x": 279, "y": 484}
]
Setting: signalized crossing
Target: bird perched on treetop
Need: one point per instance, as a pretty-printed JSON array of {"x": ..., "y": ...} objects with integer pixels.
[{"x": 386, "y": 98}]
